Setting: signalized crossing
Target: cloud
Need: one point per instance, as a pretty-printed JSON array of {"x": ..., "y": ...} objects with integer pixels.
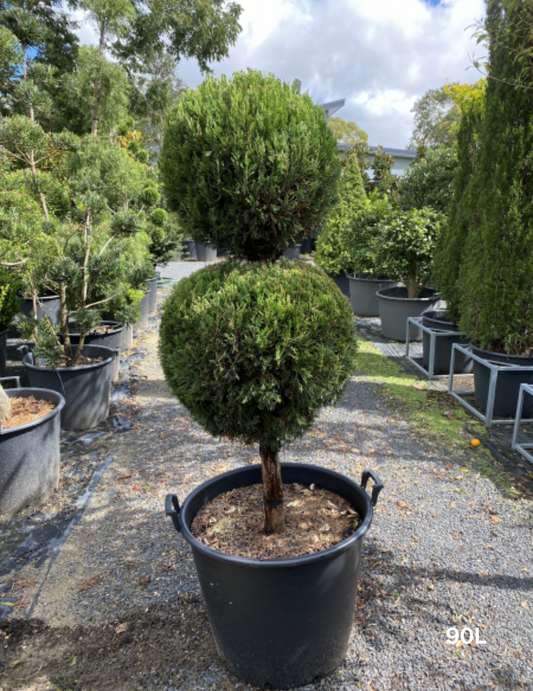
[{"x": 381, "y": 55}]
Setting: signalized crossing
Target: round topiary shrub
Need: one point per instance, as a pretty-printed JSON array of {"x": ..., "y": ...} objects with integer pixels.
[
  {"x": 255, "y": 350},
  {"x": 249, "y": 164}
]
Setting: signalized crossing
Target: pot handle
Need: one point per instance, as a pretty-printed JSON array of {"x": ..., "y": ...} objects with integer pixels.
[
  {"x": 172, "y": 509},
  {"x": 378, "y": 485},
  {"x": 15, "y": 379}
]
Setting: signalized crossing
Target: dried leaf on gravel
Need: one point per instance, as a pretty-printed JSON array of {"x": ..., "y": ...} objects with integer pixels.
[{"x": 89, "y": 582}]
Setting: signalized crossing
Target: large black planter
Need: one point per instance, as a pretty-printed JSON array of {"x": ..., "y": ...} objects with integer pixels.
[
  {"x": 152, "y": 294},
  {"x": 29, "y": 455},
  {"x": 86, "y": 389},
  {"x": 293, "y": 252},
  {"x": 395, "y": 308},
  {"x": 363, "y": 298},
  {"x": 110, "y": 338},
  {"x": 144, "y": 312},
  {"x": 205, "y": 253},
  {"x": 280, "y": 623},
  {"x": 341, "y": 281},
  {"x": 508, "y": 386},
  {"x": 3, "y": 352},
  {"x": 438, "y": 320},
  {"x": 48, "y": 305}
]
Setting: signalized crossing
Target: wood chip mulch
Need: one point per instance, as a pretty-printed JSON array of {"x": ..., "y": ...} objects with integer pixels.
[
  {"x": 81, "y": 362},
  {"x": 24, "y": 410},
  {"x": 315, "y": 519}
]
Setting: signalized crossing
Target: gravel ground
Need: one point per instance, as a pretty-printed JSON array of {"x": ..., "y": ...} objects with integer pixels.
[{"x": 119, "y": 607}]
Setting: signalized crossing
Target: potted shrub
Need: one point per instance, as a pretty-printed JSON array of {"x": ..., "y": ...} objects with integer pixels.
[
  {"x": 360, "y": 239},
  {"x": 495, "y": 289},
  {"x": 29, "y": 446},
  {"x": 405, "y": 247},
  {"x": 331, "y": 253},
  {"x": 254, "y": 347},
  {"x": 9, "y": 305}
]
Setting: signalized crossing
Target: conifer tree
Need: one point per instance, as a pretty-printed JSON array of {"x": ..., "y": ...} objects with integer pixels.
[
  {"x": 496, "y": 276},
  {"x": 331, "y": 254}
]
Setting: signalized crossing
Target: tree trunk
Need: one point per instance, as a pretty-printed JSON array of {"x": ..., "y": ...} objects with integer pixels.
[
  {"x": 412, "y": 291},
  {"x": 272, "y": 489},
  {"x": 63, "y": 319}
]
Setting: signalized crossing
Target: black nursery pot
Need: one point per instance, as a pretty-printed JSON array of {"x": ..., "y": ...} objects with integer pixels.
[
  {"x": 438, "y": 319},
  {"x": 3, "y": 352},
  {"x": 29, "y": 455},
  {"x": 152, "y": 294},
  {"x": 110, "y": 338},
  {"x": 341, "y": 281},
  {"x": 508, "y": 387},
  {"x": 86, "y": 389},
  {"x": 48, "y": 305},
  {"x": 280, "y": 623}
]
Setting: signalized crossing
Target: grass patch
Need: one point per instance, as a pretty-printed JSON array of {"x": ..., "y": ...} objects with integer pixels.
[{"x": 434, "y": 416}]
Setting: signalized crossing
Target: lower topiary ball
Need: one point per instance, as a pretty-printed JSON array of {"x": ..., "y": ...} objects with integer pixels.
[{"x": 254, "y": 351}]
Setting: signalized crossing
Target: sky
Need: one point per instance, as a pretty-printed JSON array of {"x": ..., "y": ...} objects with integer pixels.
[{"x": 380, "y": 55}]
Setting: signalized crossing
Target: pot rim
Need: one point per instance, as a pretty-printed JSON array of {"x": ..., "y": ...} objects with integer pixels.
[
  {"x": 95, "y": 365},
  {"x": 429, "y": 298},
  {"x": 502, "y": 355},
  {"x": 354, "y": 276},
  {"x": 29, "y": 425},
  {"x": 328, "y": 553},
  {"x": 116, "y": 328},
  {"x": 42, "y": 298}
]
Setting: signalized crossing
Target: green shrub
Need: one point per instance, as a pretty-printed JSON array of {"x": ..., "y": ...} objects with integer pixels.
[
  {"x": 331, "y": 254},
  {"x": 255, "y": 350},
  {"x": 249, "y": 164},
  {"x": 406, "y": 247},
  {"x": 361, "y": 237},
  {"x": 428, "y": 182},
  {"x": 9, "y": 297},
  {"x": 452, "y": 239}
]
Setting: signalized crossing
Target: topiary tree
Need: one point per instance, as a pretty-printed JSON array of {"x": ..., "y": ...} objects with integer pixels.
[
  {"x": 406, "y": 247},
  {"x": 249, "y": 164},
  {"x": 9, "y": 297},
  {"x": 254, "y": 349},
  {"x": 331, "y": 254}
]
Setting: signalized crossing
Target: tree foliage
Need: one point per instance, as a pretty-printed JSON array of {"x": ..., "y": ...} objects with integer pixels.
[
  {"x": 428, "y": 182},
  {"x": 249, "y": 164},
  {"x": 495, "y": 286},
  {"x": 347, "y": 131}
]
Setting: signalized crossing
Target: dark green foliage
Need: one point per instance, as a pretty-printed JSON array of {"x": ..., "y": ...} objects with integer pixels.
[
  {"x": 383, "y": 181},
  {"x": 429, "y": 180},
  {"x": 9, "y": 297},
  {"x": 331, "y": 254},
  {"x": 496, "y": 275},
  {"x": 361, "y": 237},
  {"x": 249, "y": 164},
  {"x": 451, "y": 241},
  {"x": 165, "y": 236},
  {"x": 254, "y": 351},
  {"x": 407, "y": 245},
  {"x": 436, "y": 117}
]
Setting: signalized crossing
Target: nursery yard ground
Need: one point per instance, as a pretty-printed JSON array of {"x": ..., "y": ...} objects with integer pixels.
[{"x": 117, "y": 605}]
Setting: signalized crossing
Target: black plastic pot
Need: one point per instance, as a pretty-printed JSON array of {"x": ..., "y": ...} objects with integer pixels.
[
  {"x": 152, "y": 294},
  {"x": 395, "y": 308},
  {"x": 29, "y": 455},
  {"x": 292, "y": 253},
  {"x": 48, "y": 305},
  {"x": 308, "y": 245},
  {"x": 126, "y": 341},
  {"x": 110, "y": 338},
  {"x": 280, "y": 623},
  {"x": 363, "y": 298},
  {"x": 341, "y": 281},
  {"x": 508, "y": 387},
  {"x": 3, "y": 352},
  {"x": 438, "y": 320},
  {"x": 86, "y": 389},
  {"x": 205, "y": 253},
  {"x": 145, "y": 311},
  {"x": 189, "y": 247}
]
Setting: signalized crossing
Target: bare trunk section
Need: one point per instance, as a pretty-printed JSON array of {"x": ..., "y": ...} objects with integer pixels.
[
  {"x": 412, "y": 291},
  {"x": 272, "y": 489},
  {"x": 63, "y": 319}
]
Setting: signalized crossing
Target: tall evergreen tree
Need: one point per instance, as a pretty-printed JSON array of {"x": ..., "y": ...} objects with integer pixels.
[{"x": 496, "y": 276}]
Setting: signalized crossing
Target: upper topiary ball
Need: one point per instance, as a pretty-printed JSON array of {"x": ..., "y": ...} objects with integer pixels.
[
  {"x": 249, "y": 164},
  {"x": 254, "y": 351}
]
